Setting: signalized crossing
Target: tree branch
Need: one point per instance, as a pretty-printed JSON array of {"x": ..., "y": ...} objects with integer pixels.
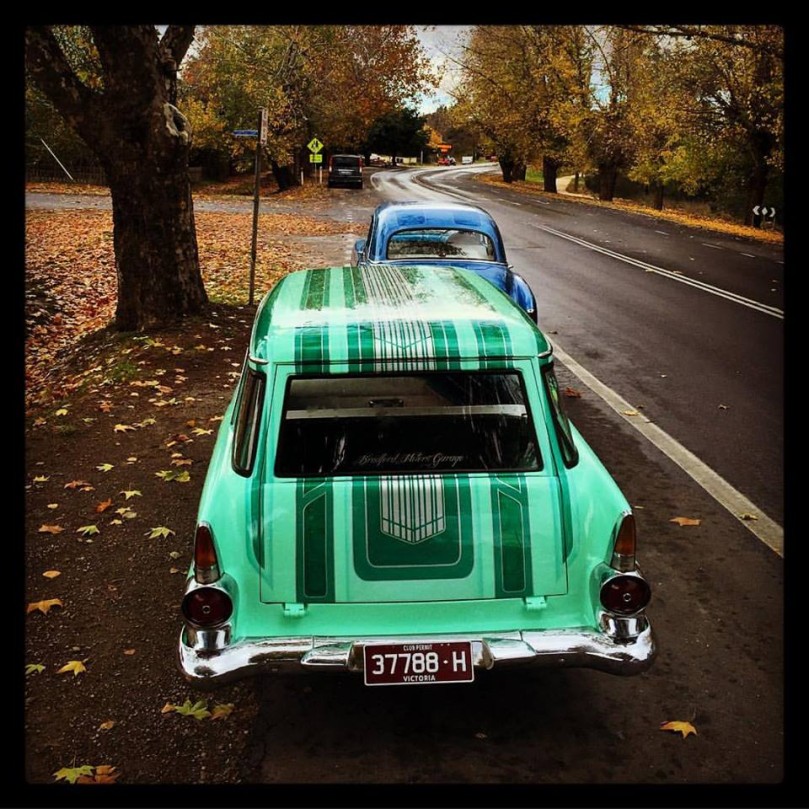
[
  {"x": 52, "y": 73},
  {"x": 700, "y": 32},
  {"x": 176, "y": 41}
]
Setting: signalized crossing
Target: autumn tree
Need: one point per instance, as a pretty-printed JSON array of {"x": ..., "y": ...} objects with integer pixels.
[
  {"x": 115, "y": 86},
  {"x": 734, "y": 76},
  {"x": 400, "y": 132},
  {"x": 325, "y": 80}
]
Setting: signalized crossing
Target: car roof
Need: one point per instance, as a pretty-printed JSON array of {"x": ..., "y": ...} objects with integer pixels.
[
  {"x": 392, "y": 316},
  {"x": 399, "y": 215},
  {"x": 395, "y": 216}
]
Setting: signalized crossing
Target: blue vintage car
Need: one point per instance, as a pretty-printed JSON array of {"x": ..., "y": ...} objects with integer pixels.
[{"x": 447, "y": 234}]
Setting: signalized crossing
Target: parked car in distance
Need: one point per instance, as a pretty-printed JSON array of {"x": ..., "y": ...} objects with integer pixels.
[
  {"x": 345, "y": 169},
  {"x": 449, "y": 234},
  {"x": 396, "y": 492}
]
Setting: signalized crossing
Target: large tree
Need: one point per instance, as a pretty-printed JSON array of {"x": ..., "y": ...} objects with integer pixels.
[{"x": 116, "y": 87}]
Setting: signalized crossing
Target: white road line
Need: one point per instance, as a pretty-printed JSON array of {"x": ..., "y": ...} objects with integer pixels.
[
  {"x": 764, "y": 528},
  {"x": 662, "y": 232},
  {"x": 714, "y": 246},
  {"x": 674, "y": 275},
  {"x": 515, "y": 203},
  {"x": 749, "y": 255}
]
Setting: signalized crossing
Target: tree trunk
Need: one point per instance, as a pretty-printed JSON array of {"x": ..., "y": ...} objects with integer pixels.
[
  {"x": 576, "y": 183},
  {"x": 607, "y": 178},
  {"x": 550, "y": 167},
  {"x": 518, "y": 171},
  {"x": 756, "y": 189},
  {"x": 506, "y": 167},
  {"x": 282, "y": 175},
  {"x": 155, "y": 242},
  {"x": 657, "y": 195}
]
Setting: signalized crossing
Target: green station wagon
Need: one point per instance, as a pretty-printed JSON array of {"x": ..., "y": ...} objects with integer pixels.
[{"x": 396, "y": 492}]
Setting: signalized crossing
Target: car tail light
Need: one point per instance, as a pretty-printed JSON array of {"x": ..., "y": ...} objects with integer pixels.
[
  {"x": 207, "y": 607},
  {"x": 625, "y": 594},
  {"x": 206, "y": 564},
  {"x": 623, "y": 549}
]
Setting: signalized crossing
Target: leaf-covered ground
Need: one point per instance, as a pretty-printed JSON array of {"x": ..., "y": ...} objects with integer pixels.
[{"x": 119, "y": 431}]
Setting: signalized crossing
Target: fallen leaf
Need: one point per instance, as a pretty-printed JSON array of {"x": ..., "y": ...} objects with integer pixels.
[
  {"x": 723, "y": 407},
  {"x": 108, "y": 725},
  {"x": 183, "y": 477},
  {"x": 105, "y": 467},
  {"x": 160, "y": 531},
  {"x": 123, "y": 428},
  {"x": 116, "y": 522},
  {"x": 34, "y": 668},
  {"x": 129, "y": 652},
  {"x": 199, "y": 710},
  {"x": 174, "y": 554},
  {"x": 630, "y": 412},
  {"x": 72, "y": 774},
  {"x": 44, "y": 606},
  {"x": 201, "y": 431},
  {"x": 75, "y": 484},
  {"x": 87, "y": 488},
  {"x": 181, "y": 462},
  {"x": 685, "y": 521},
  {"x": 62, "y": 411},
  {"x": 132, "y": 459},
  {"x": 131, "y": 493},
  {"x": 685, "y": 728},
  {"x": 52, "y": 574},
  {"x": 104, "y": 774},
  {"x": 191, "y": 423},
  {"x": 168, "y": 708},
  {"x": 41, "y": 478},
  {"x": 88, "y": 530},
  {"x": 105, "y": 407},
  {"x": 76, "y": 666},
  {"x": 175, "y": 570},
  {"x": 50, "y": 529},
  {"x": 481, "y": 736},
  {"x": 53, "y": 506},
  {"x": 572, "y": 393},
  {"x": 222, "y": 710},
  {"x": 748, "y": 517},
  {"x": 166, "y": 474},
  {"x": 103, "y": 506}
]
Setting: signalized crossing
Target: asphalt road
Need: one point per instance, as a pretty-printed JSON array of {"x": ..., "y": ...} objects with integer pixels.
[{"x": 676, "y": 352}]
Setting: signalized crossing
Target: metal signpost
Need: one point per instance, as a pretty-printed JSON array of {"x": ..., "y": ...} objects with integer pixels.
[{"x": 261, "y": 139}]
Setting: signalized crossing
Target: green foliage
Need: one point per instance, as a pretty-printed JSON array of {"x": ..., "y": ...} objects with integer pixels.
[{"x": 400, "y": 132}]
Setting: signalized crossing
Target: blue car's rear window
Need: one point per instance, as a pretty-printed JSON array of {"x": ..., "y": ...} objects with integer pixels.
[{"x": 427, "y": 243}]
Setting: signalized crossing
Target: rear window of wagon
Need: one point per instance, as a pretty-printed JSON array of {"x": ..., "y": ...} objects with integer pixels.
[{"x": 430, "y": 422}]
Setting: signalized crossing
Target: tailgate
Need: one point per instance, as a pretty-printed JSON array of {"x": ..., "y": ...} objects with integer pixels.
[{"x": 412, "y": 538}]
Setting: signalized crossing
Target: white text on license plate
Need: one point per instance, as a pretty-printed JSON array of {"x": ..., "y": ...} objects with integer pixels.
[{"x": 418, "y": 663}]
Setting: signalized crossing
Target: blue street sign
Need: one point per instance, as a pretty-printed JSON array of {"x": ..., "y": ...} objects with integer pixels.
[{"x": 245, "y": 133}]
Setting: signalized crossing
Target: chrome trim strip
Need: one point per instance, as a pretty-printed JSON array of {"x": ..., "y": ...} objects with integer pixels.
[
  {"x": 257, "y": 360},
  {"x": 615, "y": 650},
  {"x": 542, "y": 355}
]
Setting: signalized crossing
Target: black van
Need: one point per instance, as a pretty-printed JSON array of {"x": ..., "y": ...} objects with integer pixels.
[{"x": 345, "y": 169}]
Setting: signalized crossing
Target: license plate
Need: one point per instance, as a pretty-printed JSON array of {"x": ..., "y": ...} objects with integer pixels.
[{"x": 418, "y": 663}]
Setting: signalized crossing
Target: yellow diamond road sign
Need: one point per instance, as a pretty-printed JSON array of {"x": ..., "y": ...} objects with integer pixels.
[{"x": 314, "y": 145}]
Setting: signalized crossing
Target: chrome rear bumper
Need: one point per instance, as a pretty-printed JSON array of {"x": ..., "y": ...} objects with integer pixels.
[{"x": 207, "y": 661}]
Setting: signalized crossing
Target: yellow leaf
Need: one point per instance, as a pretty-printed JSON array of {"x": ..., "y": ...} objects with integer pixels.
[
  {"x": 199, "y": 710},
  {"x": 108, "y": 725},
  {"x": 105, "y": 467},
  {"x": 183, "y": 477},
  {"x": 131, "y": 493},
  {"x": 44, "y": 606},
  {"x": 685, "y": 521},
  {"x": 50, "y": 529},
  {"x": 72, "y": 774},
  {"x": 76, "y": 666},
  {"x": 631, "y": 413},
  {"x": 34, "y": 668},
  {"x": 748, "y": 517},
  {"x": 685, "y": 728},
  {"x": 222, "y": 710},
  {"x": 41, "y": 478},
  {"x": 88, "y": 530},
  {"x": 123, "y": 428},
  {"x": 160, "y": 531},
  {"x": 201, "y": 431},
  {"x": 52, "y": 574},
  {"x": 53, "y": 506},
  {"x": 62, "y": 411}
]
